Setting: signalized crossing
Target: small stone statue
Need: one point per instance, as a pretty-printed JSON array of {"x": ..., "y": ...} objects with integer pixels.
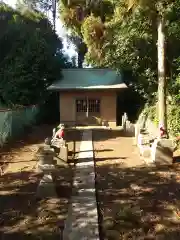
[{"x": 59, "y": 133}]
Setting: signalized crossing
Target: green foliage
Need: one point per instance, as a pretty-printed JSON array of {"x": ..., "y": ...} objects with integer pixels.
[
  {"x": 70, "y": 18},
  {"x": 173, "y": 119},
  {"x": 125, "y": 39},
  {"x": 173, "y": 112},
  {"x": 152, "y": 113},
  {"x": 30, "y": 59},
  {"x": 93, "y": 34},
  {"x": 129, "y": 46},
  {"x": 76, "y": 14}
]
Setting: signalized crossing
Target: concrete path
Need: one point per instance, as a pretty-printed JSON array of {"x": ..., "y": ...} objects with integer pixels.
[{"x": 82, "y": 220}]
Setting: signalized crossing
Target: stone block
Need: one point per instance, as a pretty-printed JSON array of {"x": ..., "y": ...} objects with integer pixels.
[
  {"x": 58, "y": 143},
  {"x": 63, "y": 155},
  {"x": 45, "y": 155},
  {"x": 46, "y": 187},
  {"x": 162, "y": 151},
  {"x": 47, "y": 168},
  {"x": 143, "y": 139}
]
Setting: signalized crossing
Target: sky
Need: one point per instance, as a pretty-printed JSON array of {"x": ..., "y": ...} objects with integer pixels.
[{"x": 61, "y": 31}]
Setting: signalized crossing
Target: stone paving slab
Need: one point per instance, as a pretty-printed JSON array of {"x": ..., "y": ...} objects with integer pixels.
[{"x": 82, "y": 221}]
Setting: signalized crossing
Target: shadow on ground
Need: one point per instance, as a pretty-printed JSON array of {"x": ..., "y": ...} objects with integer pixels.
[
  {"x": 23, "y": 216},
  {"x": 106, "y": 134},
  {"x": 26, "y": 217},
  {"x": 138, "y": 203},
  {"x": 35, "y": 135},
  {"x": 134, "y": 201},
  {"x": 28, "y": 144}
]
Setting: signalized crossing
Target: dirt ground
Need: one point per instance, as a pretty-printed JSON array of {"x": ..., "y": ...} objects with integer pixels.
[
  {"x": 22, "y": 214},
  {"x": 134, "y": 201}
]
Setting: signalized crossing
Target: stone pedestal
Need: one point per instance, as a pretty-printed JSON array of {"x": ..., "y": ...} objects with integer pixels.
[
  {"x": 46, "y": 187},
  {"x": 45, "y": 155},
  {"x": 122, "y": 120},
  {"x": 162, "y": 151}
]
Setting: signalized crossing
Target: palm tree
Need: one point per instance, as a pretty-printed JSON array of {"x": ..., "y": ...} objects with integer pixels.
[{"x": 158, "y": 6}]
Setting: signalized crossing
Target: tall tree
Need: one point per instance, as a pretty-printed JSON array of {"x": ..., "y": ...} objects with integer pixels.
[
  {"x": 44, "y": 6},
  {"x": 74, "y": 12},
  {"x": 31, "y": 56},
  {"x": 158, "y": 6}
]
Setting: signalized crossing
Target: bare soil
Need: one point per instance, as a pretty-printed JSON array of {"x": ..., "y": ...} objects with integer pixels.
[
  {"x": 134, "y": 201},
  {"x": 23, "y": 215}
]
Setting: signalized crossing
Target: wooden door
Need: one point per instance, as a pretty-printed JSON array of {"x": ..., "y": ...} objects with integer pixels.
[
  {"x": 81, "y": 111},
  {"x": 94, "y": 114},
  {"x": 88, "y": 111}
]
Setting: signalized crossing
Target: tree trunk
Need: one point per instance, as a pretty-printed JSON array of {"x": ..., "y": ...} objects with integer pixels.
[
  {"x": 80, "y": 60},
  {"x": 162, "y": 117},
  {"x": 54, "y": 14}
]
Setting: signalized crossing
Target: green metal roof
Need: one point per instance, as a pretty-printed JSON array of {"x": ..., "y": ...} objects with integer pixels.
[{"x": 88, "y": 78}]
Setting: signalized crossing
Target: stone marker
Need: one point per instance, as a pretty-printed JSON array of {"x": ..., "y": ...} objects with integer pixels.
[
  {"x": 137, "y": 132},
  {"x": 123, "y": 121},
  {"x": 46, "y": 187},
  {"x": 130, "y": 129},
  {"x": 144, "y": 144},
  {"x": 162, "y": 151}
]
